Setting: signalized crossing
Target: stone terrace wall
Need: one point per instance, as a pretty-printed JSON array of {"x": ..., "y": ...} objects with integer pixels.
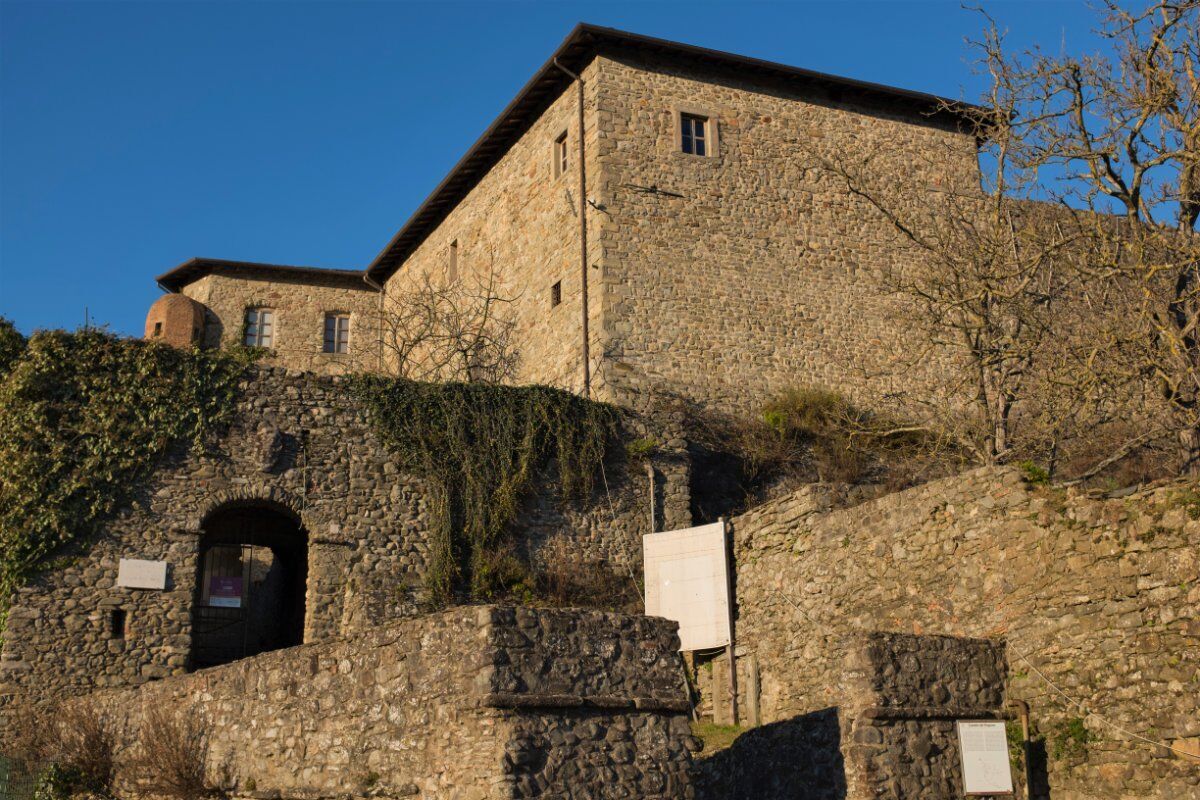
[
  {"x": 300, "y": 444},
  {"x": 1102, "y": 596},
  {"x": 480, "y": 702},
  {"x": 888, "y": 733}
]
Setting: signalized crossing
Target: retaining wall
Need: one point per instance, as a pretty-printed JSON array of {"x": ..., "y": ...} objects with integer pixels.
[
  {"x": 1101, "y": 596},
  {"x": 476, "y": 702}
]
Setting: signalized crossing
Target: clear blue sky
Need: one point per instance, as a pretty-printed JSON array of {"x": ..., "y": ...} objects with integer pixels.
[{"x": 136, "y": 135}]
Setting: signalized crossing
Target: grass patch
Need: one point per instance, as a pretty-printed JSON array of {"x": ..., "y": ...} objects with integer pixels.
[{"x": 716, "y": 737}]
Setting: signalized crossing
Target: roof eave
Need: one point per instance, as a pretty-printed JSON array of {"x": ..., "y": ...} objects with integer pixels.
[
  {"x": 194, "y": 269},
  {"x": 582, "y": 38}
]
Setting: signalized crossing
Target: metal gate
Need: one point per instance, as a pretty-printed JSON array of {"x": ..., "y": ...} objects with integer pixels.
[
  {"x": 250, "y": 588},
  {"x": 17, "y": 781},
  {"x": 220, "y": 624}
]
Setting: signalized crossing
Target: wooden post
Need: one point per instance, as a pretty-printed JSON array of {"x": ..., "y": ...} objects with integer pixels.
[
  {"x": 731, "y": 648},
  {"x": 653, "y": 498},
  {"x": 753, "y": 713}
]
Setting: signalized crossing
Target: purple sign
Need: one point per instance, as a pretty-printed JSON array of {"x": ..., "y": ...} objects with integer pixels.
[{"x": 225, "y": 592}]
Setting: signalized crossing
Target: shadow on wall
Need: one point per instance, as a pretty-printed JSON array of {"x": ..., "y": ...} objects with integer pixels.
[
  {"x": 1039, "y": 775},
  {"x": 796, "y": 759}
]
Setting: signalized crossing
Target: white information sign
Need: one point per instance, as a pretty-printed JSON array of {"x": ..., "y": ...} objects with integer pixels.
[
  {"x": 134, "y": 573},
  {"x": 687, "y": 580},
  {"x": 984, "y": 750}
]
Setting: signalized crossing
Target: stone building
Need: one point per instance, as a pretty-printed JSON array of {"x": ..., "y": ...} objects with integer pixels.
[
  {"x": 316, "y": 320},
  {"x": 720, "y": 266},
  {"x": 706, "y": 259}
]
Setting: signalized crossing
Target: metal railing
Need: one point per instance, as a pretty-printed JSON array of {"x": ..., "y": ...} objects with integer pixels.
[{"x": 17, "y": 780}]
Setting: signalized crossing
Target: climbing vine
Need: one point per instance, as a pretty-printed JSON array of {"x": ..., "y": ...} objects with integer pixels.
[
  {"x": 86, "y": 416},
  {"x": 481, "y": 448}
]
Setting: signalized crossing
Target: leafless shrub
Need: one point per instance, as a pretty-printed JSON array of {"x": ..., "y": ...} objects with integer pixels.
[
  {"x": 804, "y": 435},
  {"x": 449, "y": 329},
  {"x": 171, "y": 755},
  {"x": 72, "y": 742},
  {"x": 562, "y": 577}
]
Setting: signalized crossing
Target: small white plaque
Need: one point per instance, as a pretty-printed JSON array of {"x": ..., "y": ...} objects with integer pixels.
[
  {"x": 135, "y": 573},
  {"x": 687, "y": 580},
  {"x": 983, "y": 747}
]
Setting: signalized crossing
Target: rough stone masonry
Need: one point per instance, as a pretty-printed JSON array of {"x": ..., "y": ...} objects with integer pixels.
[
  {"x": 1098, "y": 599},
  {"x": 477, "y": 703},
  {"x": 302, "y": 449}
]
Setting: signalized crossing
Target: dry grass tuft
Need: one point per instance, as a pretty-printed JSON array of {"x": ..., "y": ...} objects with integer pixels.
[
  {"x": 72, "y": 742},
  {"x": 172, "y": 751}
]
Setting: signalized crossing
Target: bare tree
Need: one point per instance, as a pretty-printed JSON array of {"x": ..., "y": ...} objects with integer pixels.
[
  {"x": 1123, "y": 134},
  {"x": 981, "y": 271},
  {"x": 449, "y": 329}
]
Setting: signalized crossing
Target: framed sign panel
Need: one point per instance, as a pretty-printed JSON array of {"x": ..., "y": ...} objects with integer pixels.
[
  {"x": 983, "y": 748},
  {"x": 687, "y": 580},
  {"x": 134, "y": 573}
]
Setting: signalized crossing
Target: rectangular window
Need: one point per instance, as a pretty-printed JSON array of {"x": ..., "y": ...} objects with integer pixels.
[
  {"x": 117, "y": 620},
  {"x": 556, "y": 294},
  {"x": 560, "y": 154},
  {"x": 260, "y": 327},
  {"x": 692, "y": 129},
  {"x": 337, "y": 333},
  {"x": 452, "y": 263},
  {"x": 157, "y": 329}
]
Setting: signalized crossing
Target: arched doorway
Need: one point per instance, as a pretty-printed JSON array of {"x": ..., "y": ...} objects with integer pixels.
[{"x": 250, "y": 584}]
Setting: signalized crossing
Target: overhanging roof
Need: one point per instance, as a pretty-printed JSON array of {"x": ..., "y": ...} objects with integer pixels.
[
  {"x": 195, "y": 268},
  {"x": 574, "y": 53}
]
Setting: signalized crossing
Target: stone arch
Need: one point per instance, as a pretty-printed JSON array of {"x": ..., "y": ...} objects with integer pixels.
[
  {"x": 251, "y": 576},
  {"x": 259, "y": 493}
]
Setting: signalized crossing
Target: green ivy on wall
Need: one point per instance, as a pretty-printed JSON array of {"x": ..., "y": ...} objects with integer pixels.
[
  {"x": 86, "y": 417},
  {"x": 481, "y": 448}
]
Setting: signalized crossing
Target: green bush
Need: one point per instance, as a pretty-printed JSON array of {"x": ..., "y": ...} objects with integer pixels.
[
  {"x": 86, "y": 417},
  {"x": 12, "y": 345},
  {"x": 641, "y": 449},
  {"x": 1070, "y": 739},
  {"x": 1034, "y": 474}
]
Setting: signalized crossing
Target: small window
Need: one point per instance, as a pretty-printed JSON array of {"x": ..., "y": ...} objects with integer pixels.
[
  {"x": 337, "y": 333},
  {"x": 693, "y": 130},
  {"x": 117, "y": 620},
  {"x": 157, "y": 329},
  {"x": 556, "y": 294},
  {"x": 560, "y": 154},
  {"x": 452, "y": 263},
  {"x": 260, "y": 327}
]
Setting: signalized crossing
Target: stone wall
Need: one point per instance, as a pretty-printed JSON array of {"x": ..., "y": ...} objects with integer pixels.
[
  {"x": 728, "y": 277},
  {"x": 481, "y": 702},
  {"x": 888, "y": 731},
  {"x": 521, "y": 223},
  {"x": 300, "y": 305},
  {"x": 301, "y": 446},
  {"x": 1101, "y": 597}
]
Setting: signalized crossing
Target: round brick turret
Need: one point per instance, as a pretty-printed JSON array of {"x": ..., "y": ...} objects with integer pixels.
[{"x": 177, "y": 320}]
